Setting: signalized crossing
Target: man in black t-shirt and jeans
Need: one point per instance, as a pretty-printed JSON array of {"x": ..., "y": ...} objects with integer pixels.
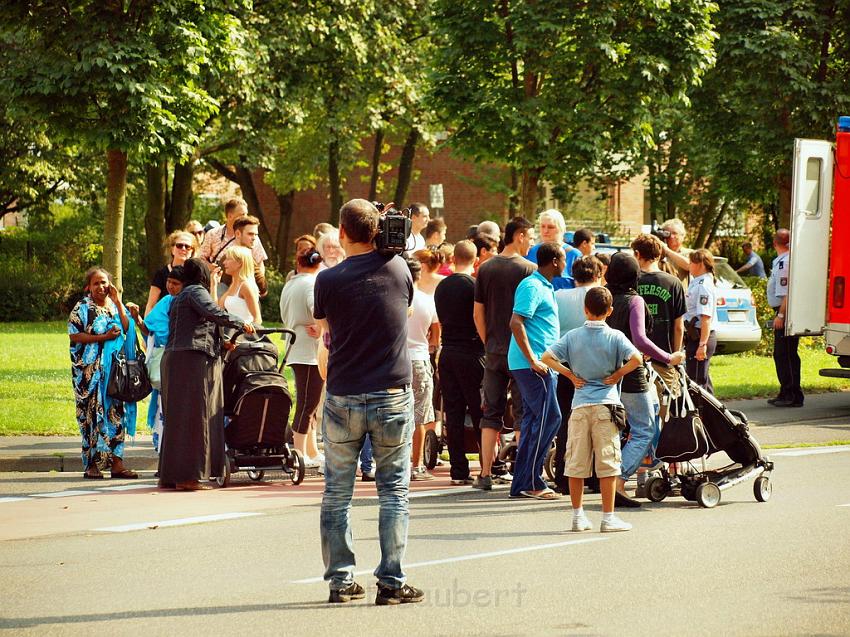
[
  {"x": 363, "y": 301},
  {"x": 664, "y": 296},
  {"x": 461, "y": 361},
  {"x": 497, "y": 281}
]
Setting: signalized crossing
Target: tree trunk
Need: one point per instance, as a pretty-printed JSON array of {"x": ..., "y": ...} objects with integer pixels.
[
  {"x": 529, "y": 195},
  {"x": 181, "y": 196},
  {"x": 155, "y": 215},
  {"x": 706, "y": 222},
  {"x": 717, "y": 220},
  {"x": 405, "y": 167},
  {"x": 376, "y": 164},
  {"x": 784, "y": 208},
  {"x": 652, "y": 185},
  {"x": 334, "y": 182},
  {"x": 286, "y": 204},
  {"x": 249, "y": 192},
  {"x": 113, "y": 226},
  {"x": 513, "y": 200}
]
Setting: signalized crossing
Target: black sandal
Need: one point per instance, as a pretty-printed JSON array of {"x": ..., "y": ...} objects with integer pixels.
[
  {"x": 93, "y": 476},
  {"x": 124, "y": 474}
]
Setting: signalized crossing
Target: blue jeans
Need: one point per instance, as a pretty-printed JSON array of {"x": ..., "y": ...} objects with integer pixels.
[
  {"x": 366, "y": 455},
  {"x": 388, "y": 420},
  {"x": 541, "y": 418},
  {"x": 643, "y": 425}
]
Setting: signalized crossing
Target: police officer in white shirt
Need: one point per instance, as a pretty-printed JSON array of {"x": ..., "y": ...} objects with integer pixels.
[
  {"x": 785, "y": 356},
  {"x": 700, "y": 317}
]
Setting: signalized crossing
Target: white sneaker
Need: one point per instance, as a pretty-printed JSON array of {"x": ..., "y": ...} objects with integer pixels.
[
  {"x": 311, "y": 463},
  {"x": 581, "y": 524},
  {"x": 505, "y": 478},
  {"x": 613, "y": 525}
]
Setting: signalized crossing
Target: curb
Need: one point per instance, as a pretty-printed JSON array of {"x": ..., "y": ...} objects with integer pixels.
[{"x": 70, "y": 463}]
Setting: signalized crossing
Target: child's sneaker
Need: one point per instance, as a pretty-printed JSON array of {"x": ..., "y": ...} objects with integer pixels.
[
  {"x": 614, "y": 524},
  {"x": 581, "y": 523}
]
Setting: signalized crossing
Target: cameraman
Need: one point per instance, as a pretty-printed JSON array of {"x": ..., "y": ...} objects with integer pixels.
[
  {"x": 675, "y": 257},
  {"x": 363, "y": 301}
]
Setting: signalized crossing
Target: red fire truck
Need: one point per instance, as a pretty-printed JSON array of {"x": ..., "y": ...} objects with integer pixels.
[{"x": 818, "y": 300}]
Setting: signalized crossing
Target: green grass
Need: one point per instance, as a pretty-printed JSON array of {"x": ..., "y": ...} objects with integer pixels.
[
  {"x": 36, "y": 397},
  {"x": 803, "y": 445},
  {"x": 742, "y": 376}
]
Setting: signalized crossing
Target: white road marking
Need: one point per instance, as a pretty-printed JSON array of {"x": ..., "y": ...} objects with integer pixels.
[
  {"x": 178, "y": 522},
  {"x": 127, "y": 487},
  {"x": 809, "y": 451},
  {"x": 473, "y": 556},
  {"x": 64, "y": 494},
  {"x": 12, "y": 499}
]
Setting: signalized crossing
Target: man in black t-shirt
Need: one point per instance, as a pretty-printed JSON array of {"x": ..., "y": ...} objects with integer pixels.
[
  {"x": 363, "y": 301},
  {"x": 665, "y": 298},
  {"x": 461, "y": 362},
  {"x": 495, "y": 285}
]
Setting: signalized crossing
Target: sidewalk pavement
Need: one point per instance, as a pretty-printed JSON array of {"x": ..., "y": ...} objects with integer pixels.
[{"x": 824, "y": 418}]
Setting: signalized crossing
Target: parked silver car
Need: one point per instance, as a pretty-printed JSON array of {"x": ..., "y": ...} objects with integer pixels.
[{"x": 737, "y": 325}]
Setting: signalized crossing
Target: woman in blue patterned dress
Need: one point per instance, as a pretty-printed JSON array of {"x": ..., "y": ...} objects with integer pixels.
[{"x": 97, "y": 328}]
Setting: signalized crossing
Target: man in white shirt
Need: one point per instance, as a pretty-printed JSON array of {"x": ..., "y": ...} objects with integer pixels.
[{"x": 419, "y": 218}]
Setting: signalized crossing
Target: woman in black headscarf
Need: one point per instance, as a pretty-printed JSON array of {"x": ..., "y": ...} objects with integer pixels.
[
  {"x": 192, "y": 447},
  {"x": 631, "y": 316}
]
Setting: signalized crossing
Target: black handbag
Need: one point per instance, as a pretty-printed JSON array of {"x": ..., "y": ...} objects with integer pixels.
[
  {"x": 683, "y": 435},
  {"x": 128, "y": 379}
]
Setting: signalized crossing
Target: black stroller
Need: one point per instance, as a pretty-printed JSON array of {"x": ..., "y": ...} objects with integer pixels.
[
  {"x": 698, "y": 426},
  {"x": 257, "y": 402}
]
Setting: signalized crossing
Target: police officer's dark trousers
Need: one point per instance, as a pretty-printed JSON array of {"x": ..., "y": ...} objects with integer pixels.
[{"x": 787, "y": 363}]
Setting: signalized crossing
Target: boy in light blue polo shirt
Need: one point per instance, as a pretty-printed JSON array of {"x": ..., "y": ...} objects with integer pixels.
[
  {"x": 594, "y": 355},
  {"x": 534, "y": 327}
]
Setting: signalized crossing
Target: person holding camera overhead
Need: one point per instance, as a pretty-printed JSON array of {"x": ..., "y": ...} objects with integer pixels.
[{"x": 364, "y": 303}]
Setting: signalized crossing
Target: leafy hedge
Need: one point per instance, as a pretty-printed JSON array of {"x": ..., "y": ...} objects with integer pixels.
[{"x": 765, "y": 313}]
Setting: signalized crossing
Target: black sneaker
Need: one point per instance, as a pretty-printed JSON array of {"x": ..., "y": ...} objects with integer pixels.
[
  {"x": 345, "y": 595},
  {"x": 623, "y": 501},
  {"x": 391, "y": 596},
  {"x": 485, "y": 483}
]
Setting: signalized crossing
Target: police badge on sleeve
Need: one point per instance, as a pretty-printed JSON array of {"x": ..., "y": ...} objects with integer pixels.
[{"x": 703, "y": 299}]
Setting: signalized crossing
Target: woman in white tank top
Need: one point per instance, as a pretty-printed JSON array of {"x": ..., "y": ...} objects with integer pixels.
[{"x": 242, "y": 299}]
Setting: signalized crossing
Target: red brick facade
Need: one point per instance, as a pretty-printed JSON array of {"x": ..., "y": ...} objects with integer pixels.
[{"x": 471, "y": 192}]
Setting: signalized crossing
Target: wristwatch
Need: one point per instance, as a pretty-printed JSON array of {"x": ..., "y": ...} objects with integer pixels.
[{"x": 780, "y": 315}]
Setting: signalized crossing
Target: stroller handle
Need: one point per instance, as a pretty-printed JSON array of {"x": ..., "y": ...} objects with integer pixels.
[{"x": 262, "y": 331}]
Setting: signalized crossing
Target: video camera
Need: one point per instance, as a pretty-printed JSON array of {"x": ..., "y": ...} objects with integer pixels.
[
  {"x": 659, "y": 232},
  {"x": 394, "y": 227}
]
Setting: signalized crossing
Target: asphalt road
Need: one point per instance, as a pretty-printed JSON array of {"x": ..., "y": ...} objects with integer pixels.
[{"x": 141, "y": 562}]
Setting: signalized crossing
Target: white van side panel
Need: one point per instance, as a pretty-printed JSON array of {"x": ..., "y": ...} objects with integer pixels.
[{"x": 811, "y": 212}]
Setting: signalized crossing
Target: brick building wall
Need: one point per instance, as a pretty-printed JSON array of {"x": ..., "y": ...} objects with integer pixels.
[{"x": 470, "y": 191}]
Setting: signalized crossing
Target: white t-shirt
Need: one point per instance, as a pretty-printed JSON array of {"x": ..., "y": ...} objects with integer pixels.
[
  {"x": 418, "y": 323},
  {"x": 296, "y": 313},
  {"x": 414, "y": 242}
]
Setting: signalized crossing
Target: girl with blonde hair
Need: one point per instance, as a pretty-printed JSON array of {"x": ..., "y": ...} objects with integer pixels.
[
  {"x": 242, "y": 298},
  {"x": 179, "y": 246}
]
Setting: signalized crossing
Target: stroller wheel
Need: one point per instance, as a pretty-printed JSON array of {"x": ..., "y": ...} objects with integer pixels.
[
  {"x": 256, "y": 476},
  {"x": 762, "y": 488},
  {"x": 224, "y": 480},
  {"x": 295, "y": 466},
  {"x": 432, "y": 449},
  {"x": 507, "y": 454},
  {"x": 657, "y": 488},
  {"x": 708, "y": 495},
  {"x": 549, "y": 464}
]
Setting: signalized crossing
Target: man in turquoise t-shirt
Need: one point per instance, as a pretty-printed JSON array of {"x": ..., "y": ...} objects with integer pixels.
[{"x": 534, "y": 328}]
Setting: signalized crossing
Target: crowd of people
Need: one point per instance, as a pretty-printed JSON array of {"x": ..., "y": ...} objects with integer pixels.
[{"x": 512, "y": 328}]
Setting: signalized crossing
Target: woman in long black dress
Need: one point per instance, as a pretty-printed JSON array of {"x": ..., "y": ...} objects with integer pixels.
[{"x": 192, "y": 448}]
